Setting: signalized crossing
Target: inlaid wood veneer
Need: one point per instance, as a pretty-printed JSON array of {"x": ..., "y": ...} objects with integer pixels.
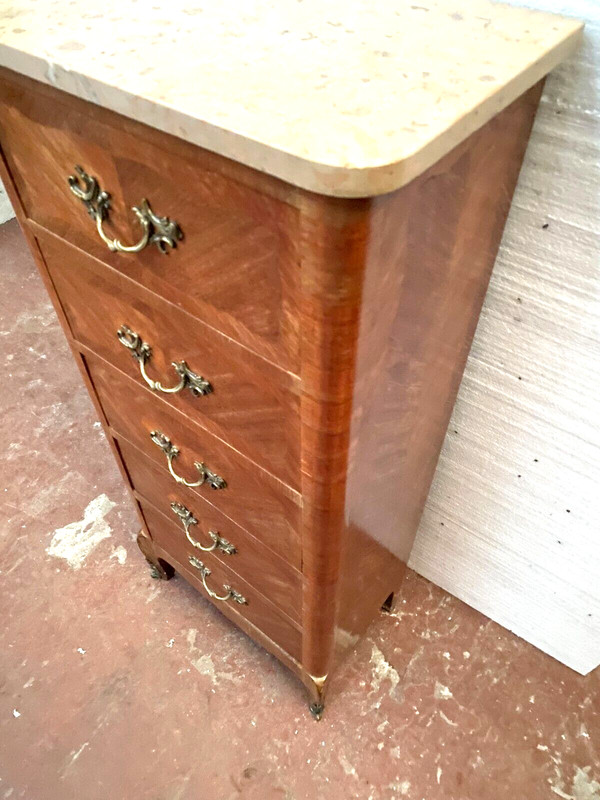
[{"x": 283, "y": 376}]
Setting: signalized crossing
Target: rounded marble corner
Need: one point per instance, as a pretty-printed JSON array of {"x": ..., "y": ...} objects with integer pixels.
[{"x": 346, "y": 130}]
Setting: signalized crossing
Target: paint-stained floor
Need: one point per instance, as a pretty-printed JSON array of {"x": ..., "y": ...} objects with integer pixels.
[{"x": 116, "y": 686}]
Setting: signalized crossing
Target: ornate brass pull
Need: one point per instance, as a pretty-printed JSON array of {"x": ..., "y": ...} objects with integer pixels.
[
  {"x": 160, "y": 231},
  {"x": 187, "y": 520},
  {"x": 171, "y": 452},
  {"x": 142, "y": 353},
  {"x": 205, "y": 573}
]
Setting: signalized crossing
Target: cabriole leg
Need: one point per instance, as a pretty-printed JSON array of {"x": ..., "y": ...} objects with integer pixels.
[
  {"x": 316, "y": 691},
  {"x": 158, "y": 568}
]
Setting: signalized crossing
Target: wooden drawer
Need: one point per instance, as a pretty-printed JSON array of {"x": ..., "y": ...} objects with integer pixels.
[
  {"x": 156, "y": 484},
  {"x": 253, "y": 404},
  {"x": 257, "y": 609},
  {"x": 257, "y": 501},
  {"x": 260, "y": 566},
  {"x": 235, "y": 267}
]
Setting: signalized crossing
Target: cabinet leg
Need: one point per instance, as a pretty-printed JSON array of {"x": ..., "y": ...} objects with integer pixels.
[
  {"x": 316, "y": 691},
  {"x": 158, "y": 568},
  {"x": 389, "y": 605}
]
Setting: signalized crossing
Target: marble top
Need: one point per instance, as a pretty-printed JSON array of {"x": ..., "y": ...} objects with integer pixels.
[{"x": 343, "y": 97}]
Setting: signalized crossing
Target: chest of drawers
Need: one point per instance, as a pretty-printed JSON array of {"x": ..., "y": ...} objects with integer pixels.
[{"x": 274, "y": 340}]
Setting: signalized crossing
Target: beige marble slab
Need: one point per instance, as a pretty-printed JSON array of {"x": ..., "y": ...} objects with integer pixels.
[{"x": 342, "y": 97}]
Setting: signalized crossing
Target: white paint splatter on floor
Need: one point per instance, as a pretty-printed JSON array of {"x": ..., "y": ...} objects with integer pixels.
[
  {"x": 120, "y": 554},
  {"x": 205, "y": 664},
  {"x": 76, "y": 541},
  {"x": 346, "y": 765},
  {"x": 584, "y": 786},
  {"x": 73, "y": 756},
  {"x": 446, "y": 719},
  {"x": 441, "y": 692},
  {"x": 382, "y": 670}
]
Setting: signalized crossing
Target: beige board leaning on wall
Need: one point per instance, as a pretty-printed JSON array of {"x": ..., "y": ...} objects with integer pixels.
[
  {"x": 6, "y": 211},
  {"x": 512, "y": 521}
]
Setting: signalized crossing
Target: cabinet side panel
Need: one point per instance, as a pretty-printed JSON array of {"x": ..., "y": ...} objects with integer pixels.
[{"x": 432, "y": 248}]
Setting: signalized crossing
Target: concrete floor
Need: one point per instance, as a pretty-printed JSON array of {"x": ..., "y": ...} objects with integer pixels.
[{"x": 113, "y": 685}]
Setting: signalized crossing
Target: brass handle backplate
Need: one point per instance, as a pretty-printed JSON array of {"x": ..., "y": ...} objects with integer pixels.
[
  {"x": 230, "y": 594},
  {"x": 161, "y": 231},
  {"x": 187, "y": 519},
  {"x": 142, "y": 353},
  {"x": 206, "y": 475}
]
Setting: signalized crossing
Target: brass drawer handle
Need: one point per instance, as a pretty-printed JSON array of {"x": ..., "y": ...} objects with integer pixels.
[
  {"x": 171, "y": 452},
  {"x": 141, "y": 351},
  {"x": 205, "y": 573},
  {"x": 187, "y": 520},
  {"x": 160, "y": 231}
]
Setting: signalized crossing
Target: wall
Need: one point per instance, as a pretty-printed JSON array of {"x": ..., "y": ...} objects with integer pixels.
[
  {"x": 6, "y": 211},
  {"x": 512, "y": 524}
]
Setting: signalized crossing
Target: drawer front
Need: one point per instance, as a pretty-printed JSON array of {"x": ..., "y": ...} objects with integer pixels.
[
  {"x": 260, "y": 503},
  {"x": 275, "y": 577},
  {"x": 250, "y": 403},
  {"x": 256, "y": 608},
  {"x": 235, "y": 266}
]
